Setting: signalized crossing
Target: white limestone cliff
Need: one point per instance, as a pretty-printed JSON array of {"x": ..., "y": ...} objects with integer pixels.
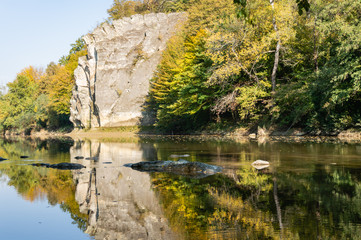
[{"x": 112, "y": 82}]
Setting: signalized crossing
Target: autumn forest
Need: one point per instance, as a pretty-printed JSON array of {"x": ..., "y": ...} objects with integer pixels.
[{"x": 278, "y": 63}]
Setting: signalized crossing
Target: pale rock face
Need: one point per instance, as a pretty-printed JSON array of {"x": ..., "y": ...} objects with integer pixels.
[
  {"x": 112, "y": 82},
  {"x": 119, "y": 201}
]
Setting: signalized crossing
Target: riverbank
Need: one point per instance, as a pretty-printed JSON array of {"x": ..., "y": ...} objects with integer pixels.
[
  {"x": 106, "y": 133},
  {"x": 260, "y": 134}
]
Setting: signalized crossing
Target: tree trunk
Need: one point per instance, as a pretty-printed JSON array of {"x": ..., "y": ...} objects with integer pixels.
[
  {"x": 278, "y": 207},
  {"x": 277, "y": 52},
  {"x": 315, "y": 47}
]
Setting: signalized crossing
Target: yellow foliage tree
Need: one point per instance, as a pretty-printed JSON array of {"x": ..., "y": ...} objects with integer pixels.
[
  {"x": 32, "y": 73},
  {"x": 242, "y": 49},
  {"x": 60, "y": 82}
]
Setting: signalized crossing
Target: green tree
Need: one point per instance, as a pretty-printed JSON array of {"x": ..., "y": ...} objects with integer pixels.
[
  {"x": 180, "y": 95},
  {"x": 38, "y": 99},
  {"x": 22, "y": 108},
  {"x": 187, "y": 96},
  {"x": 327, "y": 93}
]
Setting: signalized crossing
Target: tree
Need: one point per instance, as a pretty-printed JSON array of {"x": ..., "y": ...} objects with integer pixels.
[
  {"x": 179, "y": 94},
  {"x": 22, "y": 108},
  {"x": 192, "y": 97},
  {"x": 58, "y": 83},
  {"x": 38, "y": 99},
  {"x": 339, "y": 72}
]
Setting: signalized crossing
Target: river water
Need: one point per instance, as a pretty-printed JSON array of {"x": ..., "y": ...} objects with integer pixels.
[{"x": 311, "y": 190}]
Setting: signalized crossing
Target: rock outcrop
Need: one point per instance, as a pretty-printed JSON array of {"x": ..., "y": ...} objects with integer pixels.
[
  {"x": 180, "y": 167},
  {"x": 113, "y": 80}
]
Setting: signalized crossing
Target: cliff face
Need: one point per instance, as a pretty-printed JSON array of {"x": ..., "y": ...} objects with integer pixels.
[{"x": 113, "y": 80}]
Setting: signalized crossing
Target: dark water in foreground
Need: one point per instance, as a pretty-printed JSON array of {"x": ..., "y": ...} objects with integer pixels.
[{"x": 312, "y": 190}]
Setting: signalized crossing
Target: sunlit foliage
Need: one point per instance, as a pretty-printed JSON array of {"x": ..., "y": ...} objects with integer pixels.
[
  {"x": 315, "y": 83},
  {"x": 41, "y": 99},
  {"x": 330, "y": 87}
]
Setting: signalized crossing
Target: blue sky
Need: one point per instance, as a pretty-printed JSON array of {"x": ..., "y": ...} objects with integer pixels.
[{"x": 36, "y": 32}]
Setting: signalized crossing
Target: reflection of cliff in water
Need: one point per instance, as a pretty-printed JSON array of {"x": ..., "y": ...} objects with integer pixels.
[{"x": 120, "y": 201}]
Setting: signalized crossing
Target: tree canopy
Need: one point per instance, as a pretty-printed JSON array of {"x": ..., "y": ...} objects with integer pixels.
[
  {"x": 41, "y": 99},
  {"x": 293, "y": 63}
]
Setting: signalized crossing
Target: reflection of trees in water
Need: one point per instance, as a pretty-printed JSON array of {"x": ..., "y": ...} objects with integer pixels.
[
  {"x": 34, "y": 183},
  {"x": 327, "y": 203},
  {"x": 321, "y": 203},
  {"x": 185, "y": 201},
  {"x": 324, "y": 203},
  {"x": 35, "y": 148},
  {"x": 38, "y": 183},
  {"x": 217, "y": 207}
]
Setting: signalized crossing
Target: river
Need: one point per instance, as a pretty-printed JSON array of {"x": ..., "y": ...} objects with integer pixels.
[{"x": 311, "y": 190}]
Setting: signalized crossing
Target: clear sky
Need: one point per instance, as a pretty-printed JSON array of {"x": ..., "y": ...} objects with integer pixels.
[{"x": 36, "y": 32}]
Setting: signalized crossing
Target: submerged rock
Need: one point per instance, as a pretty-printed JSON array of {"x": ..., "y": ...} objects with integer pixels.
[
  {"x": 179, "y": 156},
  {"x": 181, "y": 167},
  {"x": 62, "y": 166},
  {"x": 67, "y": 166},
  {"x": 40, "y": 164}
]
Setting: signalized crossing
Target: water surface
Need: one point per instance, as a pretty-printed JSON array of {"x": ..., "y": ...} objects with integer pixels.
[{"x": 312, "y": 190}]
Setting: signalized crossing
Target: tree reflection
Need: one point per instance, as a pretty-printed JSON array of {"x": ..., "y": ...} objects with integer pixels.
[
  {"x": 324, "y": 203},
  {"x": 298, "y": 199},
  {"x": 34, "y": 183}
]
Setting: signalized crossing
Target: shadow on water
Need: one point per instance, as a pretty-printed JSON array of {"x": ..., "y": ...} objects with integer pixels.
[{"x": 310, "y": 191}]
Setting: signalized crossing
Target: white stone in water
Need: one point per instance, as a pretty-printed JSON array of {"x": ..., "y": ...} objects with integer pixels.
[
  {"x": 252, "y": 135},
  {"x": 260, "y": 162}
]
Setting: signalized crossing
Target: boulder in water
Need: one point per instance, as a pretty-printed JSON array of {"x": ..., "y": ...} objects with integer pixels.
[
  {"x": 180, "y": 167},
  {"x": 62, "y": 166}
]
